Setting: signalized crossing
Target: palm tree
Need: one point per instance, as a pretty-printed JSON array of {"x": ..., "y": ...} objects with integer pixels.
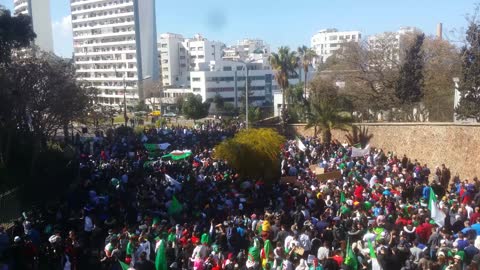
[
  {"x": 326, "y": 116},
  {"x": 306, "y": 57},
  {"x": 284, "y": 64}
]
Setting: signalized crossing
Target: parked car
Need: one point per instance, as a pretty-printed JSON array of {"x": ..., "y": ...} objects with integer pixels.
[{"x": 170, "y": 114}]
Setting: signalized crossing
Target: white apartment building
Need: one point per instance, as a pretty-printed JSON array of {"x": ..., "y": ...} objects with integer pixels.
[
  {"x": 228, "y": 79},
  {"x": 174, "y": 60},
  {"x": 392, "y": 43},
  {"x": 246, "y": 49},
  {"x": 39, "y": 10},
  {"x": 115, "y": 47},
  {"x": 179, "y": 56},
  {"x": 327, "y": 41}
]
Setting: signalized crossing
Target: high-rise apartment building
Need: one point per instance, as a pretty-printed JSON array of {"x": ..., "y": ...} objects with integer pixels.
[
  {"x": 115, "y": 47},
  {"x": 179, "y": 56},
  {"x": 327, "y": 41},
  {"x": 39, "y": 10},
  {"x": 174, "y": 60}
]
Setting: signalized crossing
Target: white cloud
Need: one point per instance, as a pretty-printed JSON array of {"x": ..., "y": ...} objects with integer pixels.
[{"x": 62, "y": 36}]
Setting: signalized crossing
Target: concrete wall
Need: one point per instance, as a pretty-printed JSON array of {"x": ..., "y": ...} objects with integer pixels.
[{"x": 456, "y": 145}]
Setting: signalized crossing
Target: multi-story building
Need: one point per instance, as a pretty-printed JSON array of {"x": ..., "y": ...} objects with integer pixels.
[
  {"x": 246, "y": 49},
  {"x": 228, "y": 79},
  {"x": 391, "y": 44},
  {"x": 327, "y": 41},
  {"x": 174, "y": 60},
  {"x": 179, "y": 56},
  {"x": 39, "y": 10},
  {"x": 115, "y": 47}
]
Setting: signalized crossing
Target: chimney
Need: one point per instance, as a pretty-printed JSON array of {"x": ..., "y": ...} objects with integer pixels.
[{"x": 439, "y": 31}]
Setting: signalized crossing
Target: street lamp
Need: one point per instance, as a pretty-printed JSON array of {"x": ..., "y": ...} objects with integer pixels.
[{"x": 245, "y": 67}]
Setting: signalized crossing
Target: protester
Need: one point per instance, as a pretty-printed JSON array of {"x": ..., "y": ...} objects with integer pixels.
[{"x": 139, "y": 204}]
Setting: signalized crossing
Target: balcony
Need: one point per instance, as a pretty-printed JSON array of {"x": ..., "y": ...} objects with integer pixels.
[
  {"x": 106, "y": 44},
  {"x": 101, "y": 61},
  {"x": 103, "y": 8},
  {"x": 104, "y": 17},
  {"x": 117, "y": 34},
  {"x": 100, "y": 26},
  {"x": 111, "y": 52}
]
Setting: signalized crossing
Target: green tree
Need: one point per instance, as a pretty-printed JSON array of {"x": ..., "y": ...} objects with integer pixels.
[
  {"x": 193, "y": 108},
  {"x": 442, "y": 63},
  {"x": 219, "y": 102},
  {"x": 469, "y": 84},
  {"x": 284, "y": 64},
  {"x": 297, "y": 102},
  {"x": 15, "y": 33},
  {"x": 141, "y": 107},
  {"x": 179, "y": 103},
  {"x": 327, "y": 109},
  {"x": 409, "y": 87},
  {"x": 253, "y": 153},
  {"x": 306, "y": 57}
]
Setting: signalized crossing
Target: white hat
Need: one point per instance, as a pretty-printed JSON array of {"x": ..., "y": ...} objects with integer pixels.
[{"x": 17, "y": 239}]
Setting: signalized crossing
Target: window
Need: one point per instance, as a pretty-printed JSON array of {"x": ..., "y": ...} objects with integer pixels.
[
  {"x": 347, "y": 37},
  {"x": 196, "y": 89},
  {"x": 333, "y": 38},
  {"x": 196, "y": 79},
  {"x": 193, "y": 49},
  {"x": 201, "y": 57},
  {"x": 200, "y": 48},
  {"x": 341, "y": 37},
  {"x": 227, "y": 68},
  {"x": 239, "y": 67},
  {"x": 333, "y": 45}
]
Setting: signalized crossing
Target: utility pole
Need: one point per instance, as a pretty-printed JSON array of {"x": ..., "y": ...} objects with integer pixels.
[
  {"x": 125, "y": 101},
  {"x": 246, "y": 98}
]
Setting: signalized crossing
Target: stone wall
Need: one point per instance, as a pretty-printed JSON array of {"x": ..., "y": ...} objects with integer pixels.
[{"x": 456, "y": 145}]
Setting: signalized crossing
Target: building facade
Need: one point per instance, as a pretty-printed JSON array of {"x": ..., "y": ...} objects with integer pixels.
[
  {"x": 327, "y": 41},
  {"x": 39, "y": 10},
  {"x": 391, "y": 43},
  {"x": 115, "y": 47},
  {"x": 246, "y": 49},
  {"x": 179, "y": 56},
  {"x": 228, "y": 79}
]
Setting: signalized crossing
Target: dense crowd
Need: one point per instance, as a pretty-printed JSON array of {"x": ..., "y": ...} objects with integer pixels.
[{"x": 132, "y": 209}]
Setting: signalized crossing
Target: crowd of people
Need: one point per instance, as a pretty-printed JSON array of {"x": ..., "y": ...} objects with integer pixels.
[{"x": 133, "y": 209}]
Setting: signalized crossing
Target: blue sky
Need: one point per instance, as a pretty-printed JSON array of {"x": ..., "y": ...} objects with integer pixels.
[{"x": 282, "y": 22}]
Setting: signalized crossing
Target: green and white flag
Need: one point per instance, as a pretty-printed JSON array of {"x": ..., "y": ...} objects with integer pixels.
[
  {"x": 435, "y": 213},
  {"x": 351, "y": 259},
  {"x": 300, "y": 145},
  {"x": 154, "y": 147},
  {"x": 178, "y": 154},
  {"x": 373, "y": 257}
]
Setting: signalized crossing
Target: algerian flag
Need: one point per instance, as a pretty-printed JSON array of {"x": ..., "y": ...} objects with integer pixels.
[
  {"x": 175, "y": 183},
  {"x": 359, "y": 152},
  {"x": 175, "y": 207},
  {"x": 178, "y": 154},
  {"x": 373, "y": 257},
  {"x": 123, "y": 265},
  {"x": 300, "y": 145},
  {"x": 154, "y": 147},
  {"x": 161, "y": 258},
  {"x": 351, "y": 259},
  {"x": 435, "y": 213},
  {"x": 342, "y": 197}
]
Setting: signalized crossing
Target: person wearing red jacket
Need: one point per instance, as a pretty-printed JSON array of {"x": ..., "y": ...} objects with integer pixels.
[{"x": 358, "y": 193}]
